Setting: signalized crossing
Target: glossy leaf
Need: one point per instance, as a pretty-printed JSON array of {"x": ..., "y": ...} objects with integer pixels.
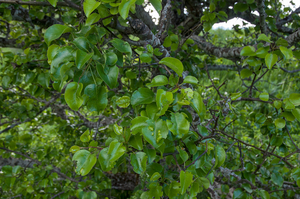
[
  {"x": 163, "y": 100},
  {"x": 73, "y": 95},
  {"x": 156, "y": 4},
  {"x": 54, "y": 32},
  {"x": 85, "y": 161},
  {"x": 248, "y": 51},
  {"x": 155, "y": 132},
  {"x": 174, "y": 64},
  {"x": 190, "y": 80},
  {"x": 178, "y": 124},
  {"x": 270, "y": 60},
  {"x": 186, "y": 179},
  {"x": 123, "y": 102},
  {"x": 264, "y": 96},
  {"x": 89, "y": 6},
  {"x": 85, "y": 137},
  {"x": 280, "y": 123},
  {"x": 159, "y": 80},
  {"x": 111, "y": 77},
  {"x": 220, "y": 156},
  {"x": 198, "y": 105},
  {"x": 142, "y": 96},
  {"x": 125, "y": 7},
  {"x": 108, "y": 156},
  {"x": 122, "y": 46},
  {"x": 138, "y": 161},
  {"x": 97, "y": 97},
  {"x": 138, "y": 123},
  {"x": 296, "y": 113},
  {"x": 82, "y": 58}
]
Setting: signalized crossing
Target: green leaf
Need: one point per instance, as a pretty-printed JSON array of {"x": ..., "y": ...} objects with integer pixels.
[
  {"x": 277, "y": 179},
  {"x": 240, "y": 7},
  {"x": 159, "y": 80},
  {"x": 73, "y": 96},
  {"x": 186, "y": 179},
  {"x": 138, "y": 161},
  {"x": 97, "y": 97},
  {"x": 93, "y": 18},
  {"x": 155, "y": 132},
  {"x": 173, "y": 189},
  {"x": 63, "y": 55},
  {"x": 174, "y": 64},
  {"x": 248, "y": 51},
  {"x": 264, "y": 96},
  {"x": 55, "y": 31},
  {"x": 238, "y": 194},
  {"x": 295, "y": 99},
  {"x": 183, "y": 154},
  {"x": 142, "y": 96},
  {"x": 110, "y": 77},
  {"x": 246, "y": 73},
  {"x": 198, "y": 105},
  {"x": 204, "y": 181},
  {"x": 288, "y": 53},
  {"x": 190, "y": 80},
  {"x": 124, "y": 7},
  {"x": 288, "y": 115},
  {"x": 111, "y": 58},
  {"x": 118, "y": 129},
  {"x": 53, "y": 2},
  {"x": 277, "y": 104},
  {"x": 122, "y": 46},
  {"x": 270, "y": 60},
  {"x": 157, "y": 5},
  {"x": 220, "y": 156},
  {"x": 163, "y": 101},
  {"x": 123, "y": 102},
  {"x": 276, "y": 141},
  {"x": 235, "y": 96},
  {"x": 178, "y": 124},
  {"x": 89, "y": 6},
  {"x": 74, "y": 149},
  {"x": 263, "y": 37},
  {"x": 82, "y": 58},
  {"x": 296, "y": 113},
  {"x": 85, "y": 161},
  {"x": 85, "y": 137},
  {"x": 83, "y": 44},
  {"x": 146, "y": 57},
  {"x": 298, "y": 182},
  {"x": 155, "y": 176},
  {"x": 262, "y": 52},
  {"x": 138, "y": 123},
  {"x": 44, "y": 79},
  {"x": 89, "y": 195},
  {"x": 109, "y": 156},
  {"x": 280, "y": 123},
  {"x": 136, "y": 141}
]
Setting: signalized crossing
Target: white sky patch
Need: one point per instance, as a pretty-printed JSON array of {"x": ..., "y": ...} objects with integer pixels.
[
  {"x": 229, "y": 24},
  {"x": 236, "y": 21}
]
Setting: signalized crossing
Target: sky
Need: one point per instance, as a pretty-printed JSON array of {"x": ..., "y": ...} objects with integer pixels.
[{"x": 229, "y": 24}]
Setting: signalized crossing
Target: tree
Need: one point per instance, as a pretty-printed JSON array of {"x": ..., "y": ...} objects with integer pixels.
[{"x": 98, "y": 100}]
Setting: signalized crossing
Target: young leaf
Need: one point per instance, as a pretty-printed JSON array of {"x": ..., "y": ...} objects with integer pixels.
[{"x": 178, "y": 124}]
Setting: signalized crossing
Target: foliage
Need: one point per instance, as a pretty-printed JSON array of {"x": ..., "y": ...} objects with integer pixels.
[{"x": 98, "y": 101}]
